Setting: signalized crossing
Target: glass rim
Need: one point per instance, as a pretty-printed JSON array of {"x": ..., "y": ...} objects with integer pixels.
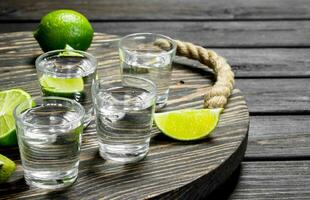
[
  {"x": 173, "y": 49},
  {"x": 41, "y": 68},
  {"x": 120, "y": 79},
  {"x": 80, "y": 110}
]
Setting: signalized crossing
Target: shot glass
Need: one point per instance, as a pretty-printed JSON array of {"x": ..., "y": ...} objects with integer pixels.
[
  {"x": 69, "y": 74},
  {"x": 49, "y": 133},
  {"x": 144, "y": 55},
  {"x": 124, "y": 108}
]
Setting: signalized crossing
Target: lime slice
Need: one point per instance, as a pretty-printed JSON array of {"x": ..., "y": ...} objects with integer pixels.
[
  {"x": 9, "y": 99},
  {"x": 7, "y": 167},
  {"x": 63, "y": 87},
  {"x": 69, "y": 52},
  {"x": 68, "y": 47},
  {"x": 188, "y": 124}
]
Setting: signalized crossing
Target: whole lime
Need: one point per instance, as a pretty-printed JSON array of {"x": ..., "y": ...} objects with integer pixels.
[{"x": 64, "y": 27}]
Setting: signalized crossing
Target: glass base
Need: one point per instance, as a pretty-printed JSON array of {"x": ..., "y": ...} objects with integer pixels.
[
  {"x": 51, "y": 180},
  {"x": 123, "y": 153},
  {"x": 86, "y": 122},
  {"x": 160, "y": 105},
  {"x": 88, "y": 117},
  {"x": 161, "y": 101}
]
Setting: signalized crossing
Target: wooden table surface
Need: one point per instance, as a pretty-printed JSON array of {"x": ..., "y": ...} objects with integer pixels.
[{"x": 268, "y": 45}]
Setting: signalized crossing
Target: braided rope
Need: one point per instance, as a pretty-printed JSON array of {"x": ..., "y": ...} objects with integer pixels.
[{"x": 218, "y": 94}]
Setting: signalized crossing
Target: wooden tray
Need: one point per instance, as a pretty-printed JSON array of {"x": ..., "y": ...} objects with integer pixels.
[{"x": 171, "y": 170}]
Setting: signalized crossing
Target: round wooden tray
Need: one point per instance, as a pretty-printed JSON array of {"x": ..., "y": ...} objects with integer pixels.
[{"x": 171, "y": 170}]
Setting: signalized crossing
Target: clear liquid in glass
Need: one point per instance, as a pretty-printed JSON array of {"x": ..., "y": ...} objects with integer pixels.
[
  {"x": 70, "y": 68},
  {"x": 50, "y": 156},
  {"x": 124, "y": 119},
  {"x": 157, "y": 69}
]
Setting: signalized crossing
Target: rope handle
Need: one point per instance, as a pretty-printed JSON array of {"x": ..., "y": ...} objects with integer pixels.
[{"x": 217, "y": 96}]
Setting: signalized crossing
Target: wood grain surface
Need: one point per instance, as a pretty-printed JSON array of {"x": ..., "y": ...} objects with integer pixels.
[
  {"x": 247, "y": 63},
  {"x": 193, "y": 169},
  {"x": 262, "y": 39},
  {"x": 269, "y": 96},
  {"x": 276, "y": 95},
  {"x": 279, "y": 137},
  {"x": 223, "y": 34},
  {"x": 161, "y": 9},
  {"x": 273, "y": 181}
]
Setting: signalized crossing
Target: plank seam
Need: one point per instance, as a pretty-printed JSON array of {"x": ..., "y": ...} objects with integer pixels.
[
  {"x": 275, "y": 77},
  {"x": 281, "y": 113},
  {"x": 276, "y": 158},
  {"x": 169, "y": 20}
]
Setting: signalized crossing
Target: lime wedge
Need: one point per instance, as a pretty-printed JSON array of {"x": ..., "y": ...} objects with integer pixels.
[
  {"x": 69, "y": 51},
  {"x": 188, "y": 124},
  {"x": 9, "y": 99},
  {"x": 63, "y": 87},
  {"x": 7, "y": 167},
  {"x": 68, "y": 47}
]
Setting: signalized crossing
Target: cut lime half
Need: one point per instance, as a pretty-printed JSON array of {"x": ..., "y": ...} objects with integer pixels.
[{"x": 188, "y": 124}]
